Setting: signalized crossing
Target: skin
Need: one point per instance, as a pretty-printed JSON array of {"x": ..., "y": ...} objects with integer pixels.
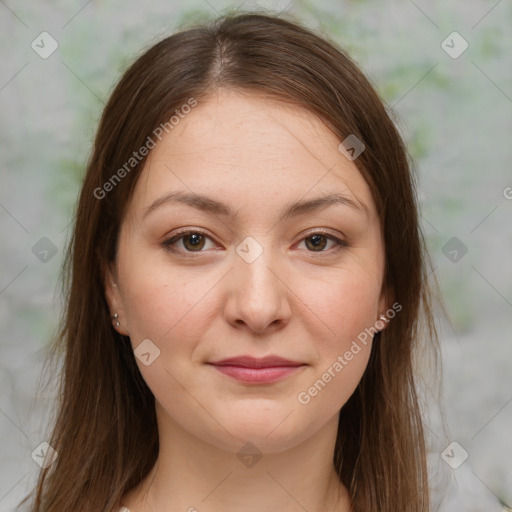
[{"x": 205, "y": 304}]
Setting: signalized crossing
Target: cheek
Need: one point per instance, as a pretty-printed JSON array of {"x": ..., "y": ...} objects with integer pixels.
[
  {"x": 345, "y": 303},
  {"x": 347, "y": 307},
  {"x": 161, "y": 300},
  {"x": 169, "y": 308}
]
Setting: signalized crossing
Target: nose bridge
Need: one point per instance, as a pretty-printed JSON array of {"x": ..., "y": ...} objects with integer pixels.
[{"x": 258, "y": 297}]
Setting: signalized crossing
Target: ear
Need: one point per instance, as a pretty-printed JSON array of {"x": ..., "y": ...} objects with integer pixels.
[{"x": 114, "y": 299}]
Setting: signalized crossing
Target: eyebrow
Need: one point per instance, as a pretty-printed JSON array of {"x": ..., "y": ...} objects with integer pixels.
[{"x": 295, "y": 209}]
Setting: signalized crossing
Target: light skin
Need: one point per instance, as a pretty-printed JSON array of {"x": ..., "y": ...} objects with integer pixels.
[{"x": 203, "y": 301}]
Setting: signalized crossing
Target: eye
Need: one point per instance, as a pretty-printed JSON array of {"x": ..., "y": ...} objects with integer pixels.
[
  {"x": 195, "y": 241},
  {"x": 192, "y": 241},
  {"x": 317, "y": 241}
]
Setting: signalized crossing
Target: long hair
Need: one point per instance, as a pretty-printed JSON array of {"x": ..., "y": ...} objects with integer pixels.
[{"x": 105, "y": 429}]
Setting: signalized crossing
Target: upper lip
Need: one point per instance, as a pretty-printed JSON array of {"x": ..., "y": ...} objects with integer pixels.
[{"x": 256, "y": 362}]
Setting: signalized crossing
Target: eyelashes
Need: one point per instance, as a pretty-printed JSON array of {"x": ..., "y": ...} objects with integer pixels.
[{"x": 197, "y": 239}]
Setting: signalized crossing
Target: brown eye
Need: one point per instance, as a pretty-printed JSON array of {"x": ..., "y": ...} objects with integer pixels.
[
  {"x": 192, "y": 241},
  {"x": 317, "y": 242}
]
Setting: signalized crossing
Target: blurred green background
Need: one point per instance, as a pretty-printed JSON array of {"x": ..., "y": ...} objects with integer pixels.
[{"x": 454, "y": 111}]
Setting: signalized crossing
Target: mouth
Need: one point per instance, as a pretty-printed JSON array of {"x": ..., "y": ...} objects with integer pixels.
[{"x": 257, "y": 370}]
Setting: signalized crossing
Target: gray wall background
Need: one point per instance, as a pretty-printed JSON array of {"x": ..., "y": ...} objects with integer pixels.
[{"x": 453, "y": 107}]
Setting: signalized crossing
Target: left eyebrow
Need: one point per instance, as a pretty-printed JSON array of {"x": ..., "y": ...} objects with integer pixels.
[{"x": 300, "y": 207}]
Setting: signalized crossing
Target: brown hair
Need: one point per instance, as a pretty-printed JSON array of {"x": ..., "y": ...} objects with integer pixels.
[{"x": 105, "y": 431}]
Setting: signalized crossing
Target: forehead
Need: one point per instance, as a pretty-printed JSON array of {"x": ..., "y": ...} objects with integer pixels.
[{"x": 252, "y": 150}]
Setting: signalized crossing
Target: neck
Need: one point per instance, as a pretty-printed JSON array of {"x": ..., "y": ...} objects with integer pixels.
[{"x": 194, "y": 475}]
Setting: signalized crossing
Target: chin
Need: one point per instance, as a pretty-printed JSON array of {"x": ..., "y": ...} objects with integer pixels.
[{"x": 269, "y": 434}]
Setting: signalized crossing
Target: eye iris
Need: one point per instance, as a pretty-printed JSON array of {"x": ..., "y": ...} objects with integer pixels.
[
  {"x": 317, "y": 245},
  {"x": 196, "y": 243}
]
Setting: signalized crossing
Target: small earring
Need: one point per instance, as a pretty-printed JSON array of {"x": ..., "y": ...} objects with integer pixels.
[{"x": 115, "y": 317}]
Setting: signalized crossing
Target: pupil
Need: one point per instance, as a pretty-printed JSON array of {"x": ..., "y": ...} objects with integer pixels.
[
  {"x": 317, "y": 241},
  {"x": 193, "y": 241}
]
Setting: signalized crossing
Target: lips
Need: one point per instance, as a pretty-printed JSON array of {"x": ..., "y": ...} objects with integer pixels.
[
  {"x": 254, "y": 362},
  {"x": 257, "y": 370}
]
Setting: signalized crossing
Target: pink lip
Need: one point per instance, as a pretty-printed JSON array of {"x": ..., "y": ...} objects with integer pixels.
[{"x": 257, "y": 370}]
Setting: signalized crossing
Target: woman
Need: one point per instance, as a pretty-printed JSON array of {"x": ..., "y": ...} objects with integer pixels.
[{"x": 247, "y": 286}]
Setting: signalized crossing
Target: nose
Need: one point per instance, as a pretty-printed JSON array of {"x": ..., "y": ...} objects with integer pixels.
[{"x": 258, "y": 297}]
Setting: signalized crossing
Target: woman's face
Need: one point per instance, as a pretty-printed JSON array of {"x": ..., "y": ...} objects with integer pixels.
[{"x": 261, "y": 274}]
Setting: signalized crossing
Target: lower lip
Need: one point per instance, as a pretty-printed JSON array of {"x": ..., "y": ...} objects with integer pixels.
[{"x": 257, "y": 375}]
